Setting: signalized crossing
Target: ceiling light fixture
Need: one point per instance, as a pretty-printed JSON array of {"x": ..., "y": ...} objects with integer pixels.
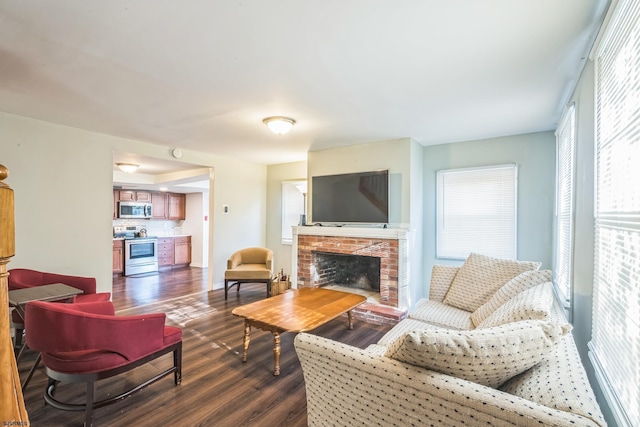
[
  {"x": 127, "y": 167},
  {"x": 279, "y": 124}
]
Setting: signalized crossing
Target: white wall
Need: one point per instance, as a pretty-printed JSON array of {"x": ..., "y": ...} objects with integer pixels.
[
  {"x": 393, "y": 155},
  {"x": 63, "y": 180},
  {"x": 535, "y": 155}
]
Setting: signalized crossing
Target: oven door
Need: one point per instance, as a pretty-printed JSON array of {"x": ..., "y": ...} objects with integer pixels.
[{"x": 140, "y": 256}]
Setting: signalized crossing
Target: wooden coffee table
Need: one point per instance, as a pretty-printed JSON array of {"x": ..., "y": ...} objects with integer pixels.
[{"x": 297, "y": 310}]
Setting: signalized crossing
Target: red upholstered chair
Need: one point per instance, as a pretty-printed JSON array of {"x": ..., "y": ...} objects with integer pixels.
[
  {"x": 20, "y": 278},
  {"x": 88, "y": 342}
]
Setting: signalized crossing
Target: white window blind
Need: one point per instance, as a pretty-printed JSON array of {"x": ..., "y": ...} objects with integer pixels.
[
  {"x": 615, "y": 342},
  {"x": 565, "y": 145},
  {"x": 292, "y": 207},
  {"x": 476, "y": 212}
]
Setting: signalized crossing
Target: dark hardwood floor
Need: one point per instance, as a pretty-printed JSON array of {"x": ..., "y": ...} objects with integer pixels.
[{"x": 217, "y": 388}]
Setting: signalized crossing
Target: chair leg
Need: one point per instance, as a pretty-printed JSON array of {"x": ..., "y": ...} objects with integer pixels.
[
  {"x": 91, "y": 395},
  {"x": 177, "y": 362},
  {"x": 269, "y": 288},
  {"x": 18, "y": 340},
  {"x": 238, "y": 288},
  {"x": 226, "y": 288}
]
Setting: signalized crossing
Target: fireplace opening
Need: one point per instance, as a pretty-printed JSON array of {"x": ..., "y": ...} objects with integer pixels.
[{"x": 351, "y": 273}]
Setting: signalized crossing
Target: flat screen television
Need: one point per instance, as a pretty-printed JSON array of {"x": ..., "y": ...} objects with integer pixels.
[{"x": 351, "y": 198}]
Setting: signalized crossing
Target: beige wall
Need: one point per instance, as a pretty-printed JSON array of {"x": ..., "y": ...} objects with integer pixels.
[{"x": 63, "y": 180}]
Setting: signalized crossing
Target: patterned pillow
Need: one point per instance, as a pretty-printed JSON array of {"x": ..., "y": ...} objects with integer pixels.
[
  {"x": 485, "y": 356},
  {"x": 480, "y": 277},
  {"x": 513, "y": 287},
  {"x": 534, "y": 303}
]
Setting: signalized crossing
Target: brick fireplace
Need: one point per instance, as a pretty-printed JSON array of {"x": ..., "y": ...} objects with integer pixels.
[{"x": 389, "y": 246}]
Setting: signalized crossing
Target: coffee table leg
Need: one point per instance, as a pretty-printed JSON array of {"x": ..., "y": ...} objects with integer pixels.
[
  {"x": 247, "y": 339},
  {"x": 350, "y": 319},
  {"x": 276, "y": 353}
]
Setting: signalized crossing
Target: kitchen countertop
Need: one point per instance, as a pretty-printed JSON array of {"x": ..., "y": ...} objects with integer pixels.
[{"x": 159, "y": 237}]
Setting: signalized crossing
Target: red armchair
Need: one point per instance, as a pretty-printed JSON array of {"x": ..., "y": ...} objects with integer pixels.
[
  {"x": 20, "y": 278},
  {"x": 87, "y": 342}
]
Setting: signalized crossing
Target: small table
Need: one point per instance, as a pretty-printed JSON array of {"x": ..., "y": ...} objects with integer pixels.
[
  {"x": 297, "y": 310},
  {"x": 19, "y": 298}
]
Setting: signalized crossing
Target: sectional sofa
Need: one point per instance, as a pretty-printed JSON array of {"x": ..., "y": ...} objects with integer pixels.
[{"x": 489, "y": 347}]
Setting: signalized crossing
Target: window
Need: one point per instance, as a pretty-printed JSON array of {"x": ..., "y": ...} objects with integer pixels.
[
  {"x": 293, "y": 201},
  {"x": 565, "y": 145},
  {"x": 615, "y": 341},
  {"x": 476, "y": 212}
]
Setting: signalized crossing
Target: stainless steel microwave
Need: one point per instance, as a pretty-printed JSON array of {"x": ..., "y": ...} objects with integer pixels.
[{"x": 134, "y": 210}]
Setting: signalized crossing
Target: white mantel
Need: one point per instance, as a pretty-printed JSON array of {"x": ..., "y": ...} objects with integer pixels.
[{"x": 372, "y": 232}]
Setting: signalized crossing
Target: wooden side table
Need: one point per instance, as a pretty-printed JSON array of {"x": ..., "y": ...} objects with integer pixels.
[{"x": 19, "y": 298}]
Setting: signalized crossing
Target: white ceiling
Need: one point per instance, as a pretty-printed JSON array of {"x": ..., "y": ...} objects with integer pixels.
[{"x": 202, "y": 74}]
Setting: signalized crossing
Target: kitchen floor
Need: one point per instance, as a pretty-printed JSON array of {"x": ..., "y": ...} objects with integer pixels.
[{"x": 142, "y": 289}]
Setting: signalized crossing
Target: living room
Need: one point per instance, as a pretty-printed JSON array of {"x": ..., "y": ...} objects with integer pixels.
[{"x": 57, "y": 167}]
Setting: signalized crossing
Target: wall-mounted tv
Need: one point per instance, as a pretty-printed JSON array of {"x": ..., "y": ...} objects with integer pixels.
[{"x": 351, "y": 198}]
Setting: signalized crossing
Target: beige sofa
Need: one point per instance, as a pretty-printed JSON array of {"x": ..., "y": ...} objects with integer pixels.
[{"x": 377, "y": 386}]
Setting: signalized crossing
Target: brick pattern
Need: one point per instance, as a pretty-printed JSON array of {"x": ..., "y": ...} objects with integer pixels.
[{"x": 385, "y": 249}]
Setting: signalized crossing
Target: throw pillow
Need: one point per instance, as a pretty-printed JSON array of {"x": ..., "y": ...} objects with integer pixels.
[
  {"x": 487, "y": 356},
  {"x": 534, "y": 303},
  {"x": 480, "y": 277},
  {"x": 513, "y": 287}
]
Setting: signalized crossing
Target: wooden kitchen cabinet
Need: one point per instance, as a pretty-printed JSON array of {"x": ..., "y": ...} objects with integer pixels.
[
  {"x": 134, "y": 196},
  {"x": 158, "y": 205},
  {"x": 165, "y": 251},
  {"x": 118, "y": 256},
  {"x": 176, "y": 204},
  {"x": 182, "y": 250}
]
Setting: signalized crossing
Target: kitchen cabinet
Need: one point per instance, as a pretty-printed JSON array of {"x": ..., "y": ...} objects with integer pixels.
[
  {"x": 176, "y": 206},
  {"x": 134, "y": 196},
  {"x": 165, "y": 251},
  {"x": 118, "y": 256},
  {"x": 116, "y": 197},
  {"x": 182, "y": 250},
  {"x": 158, "y": 205},
  {"x": 174, "y": 251}
]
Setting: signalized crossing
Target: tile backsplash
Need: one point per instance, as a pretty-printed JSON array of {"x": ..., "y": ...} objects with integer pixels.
[{"x": 154, "y": 227}]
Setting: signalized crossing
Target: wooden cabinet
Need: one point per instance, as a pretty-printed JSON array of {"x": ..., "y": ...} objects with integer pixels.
[
  {"x": 174, "y": 251},
  {"x": 176, "y": 204},
  {"x": 164, "y": 205},
  {"x": 134, "y": 196},
  {"x": 165, "y": 251},
  {"x": 158, "y": 205},
  {"x": 118, "y": 256},
  {"x": 116, "y": 197},
  {"x": 182, "y": 250}
]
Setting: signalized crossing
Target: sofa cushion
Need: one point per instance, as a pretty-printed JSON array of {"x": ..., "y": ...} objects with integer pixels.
[
  {"x": 404, "y": 326},
  {"x": 439, "y": 314},
  {"x": 513, "y": 287},
  {"x": 485, "y": 356},
  {"x": 480, "y": 277},
  {"x": 534, "y": 303},
  {"x": 558, "y": 382}
]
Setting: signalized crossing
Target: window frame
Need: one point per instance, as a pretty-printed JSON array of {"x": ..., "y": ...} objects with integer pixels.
[
  {"x": 564, "y": 211},
  {"x": 287, "y": 219},
  {"x": 442, "y": 195}
]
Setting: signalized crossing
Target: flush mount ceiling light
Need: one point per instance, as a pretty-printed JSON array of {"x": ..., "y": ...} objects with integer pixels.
[
  {"x": 127, "y": 167},
  {"x": 279, "y": 124}
]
